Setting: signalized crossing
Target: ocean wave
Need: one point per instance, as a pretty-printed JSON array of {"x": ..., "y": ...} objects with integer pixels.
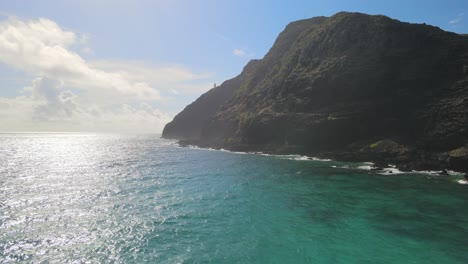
[
  {"x": 393, "y": 170},
  {"x": 365, "y": 167},
  {"x": 235, "y": 152},
  {"x": 369, "y": 166},
  {"x": 289, "y": 157},
  {"x": 342, "y": 167},
  {"x": 462, "y": 182},
  {"x": 292, "y": 157}
]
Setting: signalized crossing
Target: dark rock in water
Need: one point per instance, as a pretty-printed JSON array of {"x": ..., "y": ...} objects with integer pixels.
[
  {"x": 444, "y": 172},
  {"x": 350, "y": 87},
  {"x": 458, "y": 158}
]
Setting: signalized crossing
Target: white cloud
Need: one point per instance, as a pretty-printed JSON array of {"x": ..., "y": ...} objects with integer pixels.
[
  {"x": 239, "y": 52},
  {"x": 41, "y": 47},
  {"x": 457, "y": 19},
  {"x": 86, "y": 50},
  {"x": 72, "y": 94},
  {"x": 169, "y": 78},
  {"x": 243, "y": 53},
  {"x": 57, "y": 104},
  {"x": 60, "y": 112}
]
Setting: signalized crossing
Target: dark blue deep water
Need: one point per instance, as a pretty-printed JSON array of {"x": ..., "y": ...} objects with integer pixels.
[{"x": 95, "y": 198}]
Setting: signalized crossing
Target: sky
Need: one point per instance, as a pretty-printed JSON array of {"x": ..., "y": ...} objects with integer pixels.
[{"x": 132, "y": 65}]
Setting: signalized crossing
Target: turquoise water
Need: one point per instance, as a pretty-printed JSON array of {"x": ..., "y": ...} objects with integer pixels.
[{"x": 72, "y": 198}]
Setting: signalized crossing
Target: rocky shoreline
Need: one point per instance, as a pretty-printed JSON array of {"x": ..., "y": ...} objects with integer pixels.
[{"x": 382, "y": 153}]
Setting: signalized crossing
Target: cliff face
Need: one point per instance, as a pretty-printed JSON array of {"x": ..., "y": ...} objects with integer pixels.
[
  {"x": 190, "y": 123},
  {"x": 352, "y": 87}
]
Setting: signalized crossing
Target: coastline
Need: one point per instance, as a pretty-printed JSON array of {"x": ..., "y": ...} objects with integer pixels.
[
  {"x": 378, "y": 167},
  {"x": 341, "y": 101}
]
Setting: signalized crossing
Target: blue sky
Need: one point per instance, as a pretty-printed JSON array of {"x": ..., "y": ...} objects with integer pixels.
[{"x": 178, "y": 48}]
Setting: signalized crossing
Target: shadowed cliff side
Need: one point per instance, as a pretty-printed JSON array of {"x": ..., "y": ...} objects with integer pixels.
[
  {"x": 189, "y": 123},
  {"x": 349, "y": 87}
]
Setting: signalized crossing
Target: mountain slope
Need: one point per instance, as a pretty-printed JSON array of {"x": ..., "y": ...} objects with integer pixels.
[{"x": 351, "y": 87}]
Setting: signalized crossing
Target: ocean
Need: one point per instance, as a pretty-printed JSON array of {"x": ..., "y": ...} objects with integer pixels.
[{"x": 100, "y": 198}]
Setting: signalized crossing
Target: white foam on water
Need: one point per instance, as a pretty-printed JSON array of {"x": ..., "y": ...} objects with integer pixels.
[
  {"x": 240, "y": 152},
  {"x": 438, "y": 173},
  {"x": 317, "y": 159},
  {"x": 365, "y": 167},
  {"x": 393, "y": 170},
  {"x": 301, "y": 158},
  {"x": 198, "y": 148},
  {"x": 462, "y": 182},
  {"x": 433, "y": 173},
  {"x": 262, "y": 154},
  {"x": 342, "y": 167},
  {"x": 289, "y": 157},
  {"x": 193, "y": 147},
  {"x": 455, "y": 173},
  {"x": 390, "y": 171},
  {"x": 235, "y": 152}
]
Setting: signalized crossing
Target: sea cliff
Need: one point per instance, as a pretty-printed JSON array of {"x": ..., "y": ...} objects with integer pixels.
[{"x": 351, "y": 87}]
